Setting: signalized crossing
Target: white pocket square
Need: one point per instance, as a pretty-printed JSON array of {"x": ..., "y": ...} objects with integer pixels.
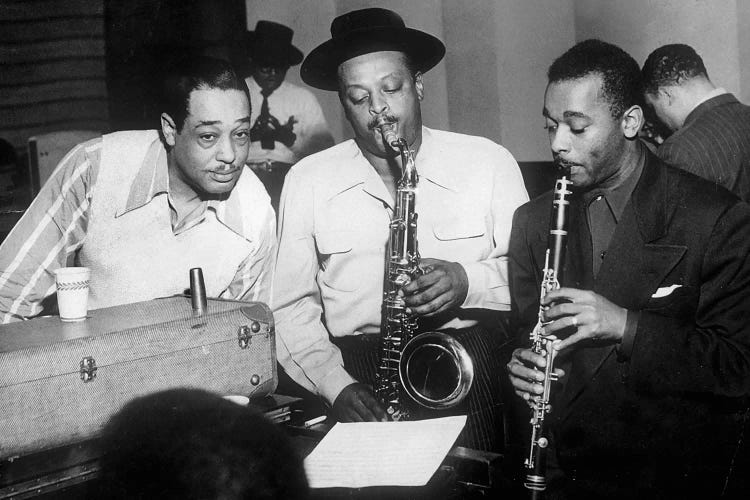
[{"x": 664, "y": 291}]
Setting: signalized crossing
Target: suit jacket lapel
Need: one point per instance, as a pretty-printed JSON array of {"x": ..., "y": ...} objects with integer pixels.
[{"x": 635, "y": 263}]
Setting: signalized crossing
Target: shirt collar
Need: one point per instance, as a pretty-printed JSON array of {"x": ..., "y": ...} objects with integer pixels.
[
  {"x": 255, "y": 89},
  {"x": 618, "y": 196},
  {"x": 427, "y": 160},
  {"x": 714, "y": 98},
  {"x": 430, "y": 163},
  {"x": 714, "y": 93},
  {"x": 152, "y": 180},
  {"x": 252, "y": 85}
]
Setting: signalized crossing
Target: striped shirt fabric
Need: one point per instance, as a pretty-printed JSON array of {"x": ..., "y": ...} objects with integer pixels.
[
  {"x": 54, "y": 229},
  {"x": 714, "y": 143}
]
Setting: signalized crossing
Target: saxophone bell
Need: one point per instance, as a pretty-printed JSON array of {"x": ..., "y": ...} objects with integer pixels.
[{"x": 436, "y": 371}]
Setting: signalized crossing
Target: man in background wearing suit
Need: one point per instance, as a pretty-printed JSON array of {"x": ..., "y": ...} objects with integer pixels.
[
  {"x": 654, "y": 349},
  {"x": 711, "y": 127}
]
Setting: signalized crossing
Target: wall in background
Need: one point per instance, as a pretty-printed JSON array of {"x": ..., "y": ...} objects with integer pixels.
[
  {"x": 142, "y": 35},
  {"x": 711, "y": 27},
  {"x": 53, "y": 68},
  {"x": 492, "y": 80}
]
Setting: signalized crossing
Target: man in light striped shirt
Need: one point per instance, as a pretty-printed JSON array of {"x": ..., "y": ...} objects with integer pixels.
[{"x": 141, "y": 208}]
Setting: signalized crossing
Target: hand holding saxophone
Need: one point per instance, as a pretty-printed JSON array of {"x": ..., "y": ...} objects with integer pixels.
[
  {"x": 443, "y": 286},
  {"x": 357, "y": 403},
  {"x": 586, "y": 314}
]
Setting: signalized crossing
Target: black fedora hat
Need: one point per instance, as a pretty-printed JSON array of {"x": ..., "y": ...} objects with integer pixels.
[
  {"x": 362, "y": 32},
  {"x": 271, "y": 43}
]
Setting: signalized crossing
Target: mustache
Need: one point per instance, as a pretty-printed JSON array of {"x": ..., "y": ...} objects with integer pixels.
[{"x": 389, "y": 119}]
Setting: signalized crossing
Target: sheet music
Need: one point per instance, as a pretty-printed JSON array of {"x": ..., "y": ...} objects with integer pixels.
[{"x": 356, "y": 455}]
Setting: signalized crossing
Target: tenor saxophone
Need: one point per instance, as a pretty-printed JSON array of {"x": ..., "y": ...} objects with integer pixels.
[
  {"x": 536, "y": 480},
  {"x": 431, "y": 368}
]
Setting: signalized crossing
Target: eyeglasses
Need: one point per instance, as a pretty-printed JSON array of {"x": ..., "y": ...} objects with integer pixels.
[{"x": 268, "y": 70}]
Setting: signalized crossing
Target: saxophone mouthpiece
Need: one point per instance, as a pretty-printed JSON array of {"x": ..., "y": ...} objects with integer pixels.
[{"x": 386, "y": 129}]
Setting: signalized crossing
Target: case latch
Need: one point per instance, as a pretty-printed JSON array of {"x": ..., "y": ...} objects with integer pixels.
[
  {"x": 245, "y": 334},
  {"x": 87, "y": 369}
]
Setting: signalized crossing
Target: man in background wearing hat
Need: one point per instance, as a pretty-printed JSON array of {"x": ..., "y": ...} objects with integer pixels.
[
  {"x": 334, "y": 226},
  {"x": 288, "y": 123}
]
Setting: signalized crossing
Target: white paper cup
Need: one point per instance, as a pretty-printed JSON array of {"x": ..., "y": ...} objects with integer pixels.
[{"x": 73, "y": 292}]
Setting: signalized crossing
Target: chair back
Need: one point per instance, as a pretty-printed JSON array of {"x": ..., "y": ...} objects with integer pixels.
[{"x": 46, "y": 151}]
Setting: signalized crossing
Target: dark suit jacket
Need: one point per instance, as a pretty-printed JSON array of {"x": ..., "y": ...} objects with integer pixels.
[
  {"x": 667, "y": 418},
  {"x": 714, "y": 143}
]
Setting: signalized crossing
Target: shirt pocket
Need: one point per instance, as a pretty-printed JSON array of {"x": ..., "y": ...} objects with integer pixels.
[
  {"x": 458, "y": 230},
  {"x": 459, "y": 240},
  {"x": 346, "y": 257}
]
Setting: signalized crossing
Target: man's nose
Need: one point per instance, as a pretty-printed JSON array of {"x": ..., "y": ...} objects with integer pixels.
[
  {"x": 225, "y": 152},
  {"x": 378, "y": 105},
  {"x": 559, "y": 141}
]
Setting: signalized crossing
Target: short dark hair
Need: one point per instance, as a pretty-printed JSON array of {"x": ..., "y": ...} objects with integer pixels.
[
  {"x": 192, "y": 444},
  {"x": 193, "y": 72},
  {"x": 671, "y": 65},
  {"x": 619, "y": 72}
]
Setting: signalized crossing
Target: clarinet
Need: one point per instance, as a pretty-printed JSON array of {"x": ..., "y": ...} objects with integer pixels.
[
  {"x": 401, "y": 267},
  {"x": 535, "y": 463}
]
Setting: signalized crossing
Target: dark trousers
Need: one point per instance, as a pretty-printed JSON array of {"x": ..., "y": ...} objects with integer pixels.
[{"x": 483, "y": 406}]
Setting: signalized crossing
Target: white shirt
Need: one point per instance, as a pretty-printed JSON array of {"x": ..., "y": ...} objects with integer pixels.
[
  {"x": 311, "y": 128},
  {"x": 334, "y": 229}
]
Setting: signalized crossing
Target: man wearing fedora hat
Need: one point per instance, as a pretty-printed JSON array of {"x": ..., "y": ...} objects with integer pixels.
[
  {"x": 334, "y": 227},
  {"x": 288, "y": 123}
]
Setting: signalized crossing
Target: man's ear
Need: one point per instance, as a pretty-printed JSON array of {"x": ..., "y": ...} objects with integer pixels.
[
  {"x": 168, "y": 129},
  {"x": 632, "y": 121},
  {"x": 419, "y": 85}
]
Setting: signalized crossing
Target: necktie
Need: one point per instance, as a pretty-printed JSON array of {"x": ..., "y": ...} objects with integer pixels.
[{"x": 266, "y": 135}]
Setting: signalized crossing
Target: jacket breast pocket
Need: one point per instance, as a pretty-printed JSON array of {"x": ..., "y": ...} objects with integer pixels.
[
  {"x": 346, "y": 258},
  {"x": 679, "y": 302}
]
